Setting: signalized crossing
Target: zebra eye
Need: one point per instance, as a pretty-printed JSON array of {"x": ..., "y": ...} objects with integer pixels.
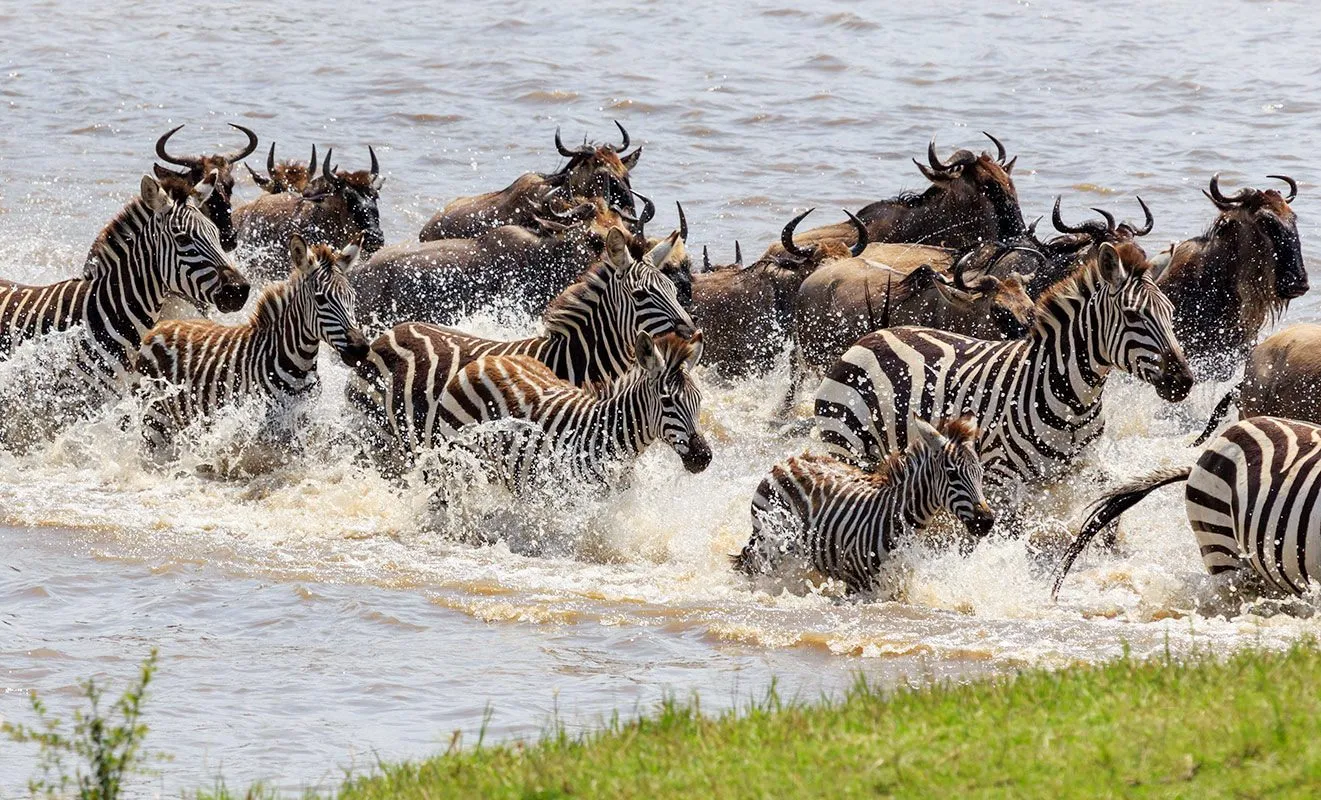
[{"x": 320, "y": 297}]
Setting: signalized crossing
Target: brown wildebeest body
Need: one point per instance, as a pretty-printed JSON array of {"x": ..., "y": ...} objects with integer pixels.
[
  {"x": 1283, "y": 377},
  {"x": 747, "y": 313},
  {"x": 592, "y": 172},
  {"x": 1227, "y": 284},
  {"x": 218, "y": 206},
  {"x": 510, "y": 267},
  {"x": 335, "y": 208},
  {"x": 971, "y": 200},
  {"x": 893, "y": 285}
]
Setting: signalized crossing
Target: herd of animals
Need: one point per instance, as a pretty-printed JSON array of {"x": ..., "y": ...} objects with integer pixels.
[{"x": 958, "y": 354}]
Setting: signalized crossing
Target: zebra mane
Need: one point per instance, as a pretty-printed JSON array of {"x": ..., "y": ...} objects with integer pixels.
[
  {"x": 673, "y": 349},
  {"x": 580, "y": 296},
  {"x": 961, "y": 430},
  {"x": 275, "y": 298},
  {"x": 95, "y": 265},
  {"x": 1083, "y": 283}
]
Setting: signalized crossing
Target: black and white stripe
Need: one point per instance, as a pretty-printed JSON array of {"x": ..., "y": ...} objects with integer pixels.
[
  {"x": 161, "y": 242},
  {"x": 1037, "y": 400},
  {"x": 846, "y": 522},
  {"x": 1253, "y": 500},
  {"x": 193, "y": 368},
  {"x": 559, "y": 432},
  {"x": 590, "y": 330}
]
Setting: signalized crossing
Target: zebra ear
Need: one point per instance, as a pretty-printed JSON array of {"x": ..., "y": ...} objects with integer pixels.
[
  {"x": 298, "y": 255},
  {"x": 930, "y": 437},
  {"x": 349, "y": 255},
  {"x": 156, "y": 198},
  {"x": 616, "y": 248},
  {"x": 1111, "y": 266},
  {"x": 695, "y": 356},
  {"x": 662, "y": 250},
  {"x": 644, "y": 349}
]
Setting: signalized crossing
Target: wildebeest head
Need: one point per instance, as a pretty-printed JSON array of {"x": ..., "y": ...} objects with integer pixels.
[
  {"x": 1004, "y": 301},
  {"x": 344, "y": 204},
  {"x": 286, "y": 176},
  {"x": 1263, "y": 222},
  {"x": 975, "y": 190},
  {"x": 597, "y": 171},
  {"x": 219, "y": 205}
]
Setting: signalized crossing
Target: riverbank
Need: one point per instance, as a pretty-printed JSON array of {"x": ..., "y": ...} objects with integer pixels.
[{"x": 1245, "y": 726}]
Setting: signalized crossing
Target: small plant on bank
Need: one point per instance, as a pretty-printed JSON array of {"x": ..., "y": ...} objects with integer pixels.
[{"x": 106, "y": 746}]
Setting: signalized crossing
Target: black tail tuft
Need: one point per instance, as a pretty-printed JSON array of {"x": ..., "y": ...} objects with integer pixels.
[
  {"x": 1109, "y": 508},
  {"x": 1217, "y": 416}
]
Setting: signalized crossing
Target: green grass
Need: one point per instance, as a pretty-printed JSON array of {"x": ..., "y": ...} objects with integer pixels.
[{"x": 1247, "y": 726}]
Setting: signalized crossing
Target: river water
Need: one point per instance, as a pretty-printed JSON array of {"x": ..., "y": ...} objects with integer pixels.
[{"x": 318, "y": 618}]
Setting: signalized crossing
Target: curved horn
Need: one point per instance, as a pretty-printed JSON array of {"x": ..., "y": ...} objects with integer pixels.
[
  {"x": 1058, "y": 222},
  {"x": 270, "y": 160},
  {"x": 787, "y": 237},
  {"x": 1032, "y": 229},
  {"x": 311, "y": 165},
  {"x": 648, "y": 208},
  {"x": 1109, "y": 218},
  {"x": 1219, "y": 199},
  {"x": 683, "y": 222},
  {"x": 559, "y": 145},
  {"x": 376, "y": 165},
  {"x": 738, "y": 254},
  {"x": 857, "y": 249},
  {"x": 933, "y": 158},
  {"x": 999, "y": 148},
  {"x": 1293, "y": 186},
  {"x": 624, "y": 132},
  {"x": 325, "y": 167},
  {"x": 706, "y": 259},
  {"x": 577, "y": 213},
  {"x": 247, "y": 150},
  {"x": 956, "y": 270},
  {"x": 1150, "y": 220},
  {"x": 165, "y": 156}
]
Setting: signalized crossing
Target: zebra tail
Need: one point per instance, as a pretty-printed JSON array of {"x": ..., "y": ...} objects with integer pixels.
[
  {"x": 1109, "y": 508},
  {"x": 1217, "y": 416}
]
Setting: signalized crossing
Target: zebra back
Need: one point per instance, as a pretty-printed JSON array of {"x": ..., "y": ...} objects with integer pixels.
[{"x": 1037, "y": 401}]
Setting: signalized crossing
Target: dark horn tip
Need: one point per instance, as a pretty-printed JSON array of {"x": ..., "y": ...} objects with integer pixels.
[
  {"x": 1293, "y": 186},
  {"x": 683, "y": 222},
  {"x": 623, "y": 132},
  {"x": 249, "y": 149},
  {"x": 862, "y": 242}
]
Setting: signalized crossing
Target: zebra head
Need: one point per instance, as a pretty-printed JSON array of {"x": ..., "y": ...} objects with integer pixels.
[
  {"x": 648, "y": 294},
  {"x": 954, "y": 472},
  {"x": 187, "y": 244},
  {"x": 1138, "y": 322},
  {"x": 667, "y": 363},
  {"x": 336, "y": 317}
]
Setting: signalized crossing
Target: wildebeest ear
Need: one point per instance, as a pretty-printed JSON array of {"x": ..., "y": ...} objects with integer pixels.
[
  {"x": 616, "y": 248},
  {"x": 1111, "y": 266},
  {"x": 644, "y": 350},
  {"x": 631, "y": 160},
  {"x": 929, "y": 436},
  {"x": 298, "y": 255},
  {"x": 163, "y": 172},
  {"x": 156, "y": 198}
]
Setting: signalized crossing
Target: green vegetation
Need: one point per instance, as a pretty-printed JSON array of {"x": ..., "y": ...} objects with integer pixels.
[
  {"x": 107, "y": 749},
  {"x": 1248, "y": 726}
]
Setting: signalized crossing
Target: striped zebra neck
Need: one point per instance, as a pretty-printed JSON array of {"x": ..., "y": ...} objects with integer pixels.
[
  {"x": 123, "y": 273},
  {"x": 627, "y": 417},
  {"x": 589, "y": 328},
  {"x": 1070, "y": 336},
  {"x": 901, "y": 497},
  {"x": 284, "y": 325}
]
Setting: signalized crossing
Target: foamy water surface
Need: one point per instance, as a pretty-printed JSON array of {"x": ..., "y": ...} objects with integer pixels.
[{"x": 318, "y": 617}]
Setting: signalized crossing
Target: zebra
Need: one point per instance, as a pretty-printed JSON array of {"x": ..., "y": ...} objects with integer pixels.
[
  {"x": 1037, "y": 401},
  {"x": 1253, "y": 500},
  {"x": 550, "y": 432},
  {"x": 192, "y": 368},
  {"x": 589, "y": 337},
  {"x": 846, "y": 522},
  {"x": 160, "y": 243}
]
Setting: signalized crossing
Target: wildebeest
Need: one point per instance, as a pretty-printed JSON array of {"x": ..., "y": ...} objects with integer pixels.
[
  {"x": 511, "y": 266},
  {"x": 218, "y": 206},
  {"x": 286, "y": 176},
  {"x": 746, "y": 312},
  {"x": 1228, "y": 283},
  {"x": 893, "y": 284},
  {"x": 971, "y": 200},
  {"x": 1048, "y": 262},
  {"x": 1282, "y": 379},
  {"x": 335, "y": 208},
  {"x": 592, "y": 171}
]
